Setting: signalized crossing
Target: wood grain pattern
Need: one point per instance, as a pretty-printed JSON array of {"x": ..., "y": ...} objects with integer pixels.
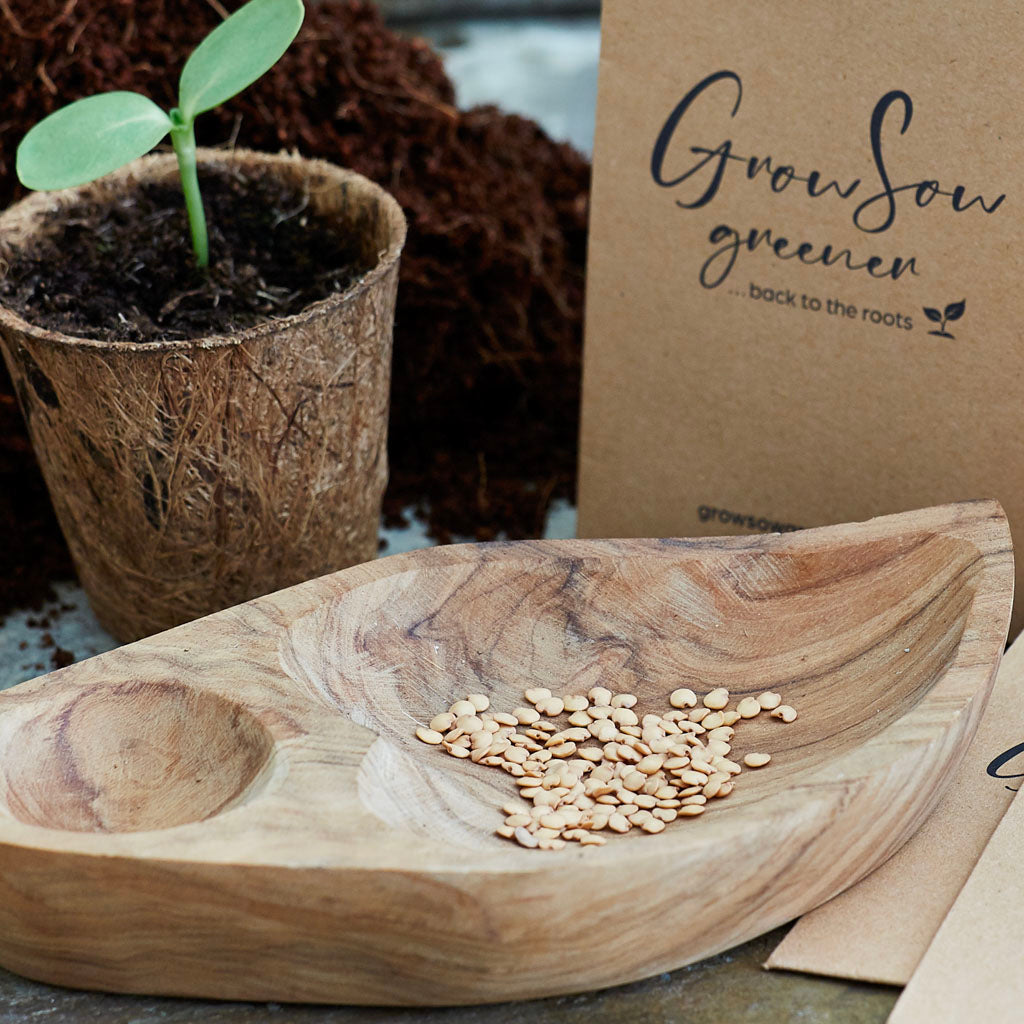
[{"x": 237, "y": 808}]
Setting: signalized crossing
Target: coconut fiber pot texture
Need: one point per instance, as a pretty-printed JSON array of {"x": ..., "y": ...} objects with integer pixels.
[{"x": 485, "y": 393}]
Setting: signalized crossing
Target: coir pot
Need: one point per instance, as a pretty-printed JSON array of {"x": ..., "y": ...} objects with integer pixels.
[{"x": 188, "y": 476}]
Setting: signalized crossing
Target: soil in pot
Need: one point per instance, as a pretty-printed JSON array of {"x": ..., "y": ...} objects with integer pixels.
[{"x": 125, "y": 271}]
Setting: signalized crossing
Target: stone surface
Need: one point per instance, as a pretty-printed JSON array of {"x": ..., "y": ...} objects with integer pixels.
[{"x": 731, "y": 988}]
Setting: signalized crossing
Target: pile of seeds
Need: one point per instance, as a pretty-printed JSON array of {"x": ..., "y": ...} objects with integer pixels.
[{"x": 609, "y": 769}]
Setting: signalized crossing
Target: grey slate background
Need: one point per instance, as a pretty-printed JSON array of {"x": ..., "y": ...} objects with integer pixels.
[{"x": 400, "y": 10}]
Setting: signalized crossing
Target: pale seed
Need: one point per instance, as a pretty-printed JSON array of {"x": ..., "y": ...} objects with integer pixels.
[
  {"x": 690, "y": 811},
  {"x": 653, "y": 825},
  {"x": 462, "y": 707},
  {"x": 431, "y": 736},
  {"x": 505, "y": 832},
  {"x": 600, "y": 711},
  {"x": 480, "y": 701},
  {"x": 552, "y": 707},
  {"x": 749, "y": 707},
  {"x": 756, "y": 760},
  {"x": 590, "y": 839},
  {"x": 683, "y": 698},
  {"x": 576, "y": 735},
  {"x": 575, "y": 702},
  {"x": 555, "y": 821},
  {"x": 650, "y": 764},
  {"x": 713, "y": 721},
  {"x": 580, "y": 718},
  {"x": 785, "y": 713},
  {"x": 769, "y": 700},
  {"x": 717, "y": 699},
  {"x": 664, "y": 814},
  {"x": 515, "y": 820},
  {"x": 714, "y": 784},
  {"x": 563, "y": 750},
  {"x": 526, "y": 716},
  {"x": 551, "y": 844},
  {"x": 537, "y": 694},
  {"x": 699, "y": 714},
  {"x": 599, "y": 695},
  {"x": 623, "y": 700},
  {"x": 618, "y": 823}
]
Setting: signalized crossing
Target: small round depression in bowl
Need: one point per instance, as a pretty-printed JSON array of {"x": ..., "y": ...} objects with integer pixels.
[{"x": 130, "y": 757}]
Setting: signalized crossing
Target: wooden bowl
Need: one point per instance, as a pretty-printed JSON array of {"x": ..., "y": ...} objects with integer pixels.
[{"x": 238, "y": 808}]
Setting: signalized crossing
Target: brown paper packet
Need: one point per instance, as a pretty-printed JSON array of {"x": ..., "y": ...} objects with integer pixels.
[
  {"x": 879, "y": 929},
  {"x": 733, "y": 386},
  {"x": 972, "y": 970}
]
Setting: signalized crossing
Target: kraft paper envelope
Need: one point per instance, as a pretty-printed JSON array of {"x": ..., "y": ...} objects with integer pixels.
[
  {"x": 880, "y": 929},
  {"x": 972, "y": 970},
  {"x": 803, "y": 292}
]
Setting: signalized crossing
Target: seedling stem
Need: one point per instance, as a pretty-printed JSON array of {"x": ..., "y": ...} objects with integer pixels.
[{"x": 183, "y": 138}]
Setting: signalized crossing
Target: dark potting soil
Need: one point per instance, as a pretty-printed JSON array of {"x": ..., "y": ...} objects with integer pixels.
[
  {"x": 485, "y": 385},
  {"x": 125, "y": 271}
]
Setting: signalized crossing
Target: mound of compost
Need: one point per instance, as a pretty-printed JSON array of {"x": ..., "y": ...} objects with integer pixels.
[{"x": 488, "y": 335}]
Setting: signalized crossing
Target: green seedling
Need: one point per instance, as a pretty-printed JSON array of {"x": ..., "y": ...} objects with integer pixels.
[{"x": 92, "y": 137}]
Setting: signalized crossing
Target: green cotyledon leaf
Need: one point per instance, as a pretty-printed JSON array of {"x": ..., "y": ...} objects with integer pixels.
[
  {"x": 89, "y": 138},
  {"x": 236, "y": 53}
]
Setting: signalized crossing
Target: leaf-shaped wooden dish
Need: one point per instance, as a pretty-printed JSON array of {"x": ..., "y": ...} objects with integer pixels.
[{"x": 237, "y": 808}]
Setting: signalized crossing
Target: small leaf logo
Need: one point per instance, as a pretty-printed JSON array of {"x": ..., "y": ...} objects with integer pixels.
[{"x": 953, "y": 311}]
